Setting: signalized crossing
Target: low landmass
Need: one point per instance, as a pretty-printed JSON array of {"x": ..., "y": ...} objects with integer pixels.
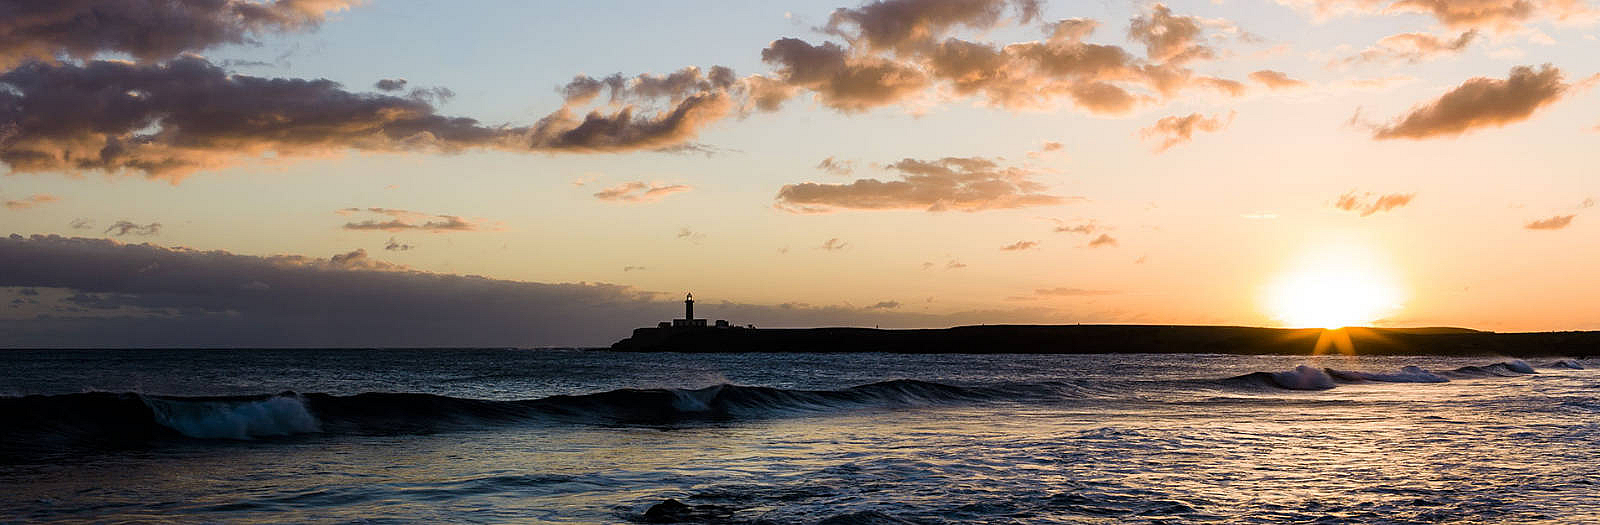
[{"x": 1116, "y": 339}]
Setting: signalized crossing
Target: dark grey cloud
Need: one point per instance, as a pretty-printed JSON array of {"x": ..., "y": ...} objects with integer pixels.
[
  {"x": 115, "y": 116},
  {"x": 81, "y": 224},
  {"x": 1480, "y": 103},
  {"x": 121, "y": 228},
  {"x": 390, "y": 84},
  {"x": 951, "y": 183},
  {"x": 148, "y": 295},
  {"x": 884, "y": 305},
  {"x": 397, "y": 246},
  {"x": 1552, "y": 223},
  {"x": 396, "y": 220},
  {"x": 148, "y": 30}
]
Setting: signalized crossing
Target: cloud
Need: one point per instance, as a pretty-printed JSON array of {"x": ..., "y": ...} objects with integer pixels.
[
  {"x": 1103, "y": 240},
  {"x": 1411, "y": 48},
  {"x": 690, "y": 235},
  {"x": 1071, "y": 292},
  {"x": 155, "y": 296},
  {"x": 908, "y": 26},
  {"x": 1084, "y": 228},
  {"x": 1019, "y": 246},
  {"x": 841, "y": 81},
  {"x": 390, "y": 84},
  {"x": 1367, "y": 206},
  {"x": 1478, "y": 103},
  {"x": 397, "y": 246},
  {"x": 1552, "y": 223},
  {"x": 837, "y": 167},
  {"x": 121, "y": 228},
  {"x": 884, "y": 305},
  {"x": 1500, "y": 15},
  {"x": 639, "y": 192},
  {"x": 954, "y": 265},
  {"x": 834, "y": 244},
  {"x": 1275, "y": 80},
  {"x": 144, "y": 29},
  {"x": 951, "y": 183},
  {"x": 634, "y": 268},
  {"x": 1169, "y": 38},
  {"x": 81, "y": 224},
  {"x": 1046, "y": 147},
  {"x": 116, "y": 116},
  {"x": 1175, "y": 130},
  {"x": 407, "y": 220},
  {"x": 30, "y": 201}
]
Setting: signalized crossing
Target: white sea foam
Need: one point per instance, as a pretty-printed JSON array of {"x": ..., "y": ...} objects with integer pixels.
[
  {"x": 273, "y": 416},
  {"x": 1303, "y": 378}
]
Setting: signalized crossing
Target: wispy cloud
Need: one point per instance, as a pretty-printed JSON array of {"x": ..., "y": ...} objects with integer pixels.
[
  {"x": 121, "y": 228},
  {"x": 1177, "y": 130},
  {"x": 952, "y": 183},
  {"x": 1552, "y": 223},
  {"x": 406, "y": 220},
  {"x": 30, "y": 201},
  {"x": 639, "y": 192},
  {"x": 1367, "y": 203}
]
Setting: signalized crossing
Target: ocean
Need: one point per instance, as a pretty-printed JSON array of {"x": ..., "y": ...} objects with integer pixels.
[{"x": 572, "y": 436}]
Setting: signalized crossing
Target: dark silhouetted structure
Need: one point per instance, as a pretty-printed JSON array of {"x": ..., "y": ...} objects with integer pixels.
[{"x": 688, "y": 320}]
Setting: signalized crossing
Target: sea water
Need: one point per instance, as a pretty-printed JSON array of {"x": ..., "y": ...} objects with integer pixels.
[{"x": 568, "y": 436}]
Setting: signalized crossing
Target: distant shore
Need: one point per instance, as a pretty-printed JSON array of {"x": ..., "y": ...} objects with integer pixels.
[{"x": 1117, "y": 339}]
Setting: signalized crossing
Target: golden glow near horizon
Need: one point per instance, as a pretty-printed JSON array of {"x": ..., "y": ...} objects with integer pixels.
[{"x": 1334, "y": 285}]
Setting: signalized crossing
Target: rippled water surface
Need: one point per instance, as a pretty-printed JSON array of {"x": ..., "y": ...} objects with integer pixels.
[{"x": 596, "y": 437}]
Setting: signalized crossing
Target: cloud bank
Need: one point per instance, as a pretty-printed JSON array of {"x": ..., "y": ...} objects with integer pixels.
[
  {"x": 147, "y": 30},
  {"x": 116, "y": 117},
  {"x": 147, "y": 295}
]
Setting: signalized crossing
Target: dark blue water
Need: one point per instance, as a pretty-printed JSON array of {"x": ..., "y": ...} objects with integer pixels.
[{"x": 531, "y": 436}]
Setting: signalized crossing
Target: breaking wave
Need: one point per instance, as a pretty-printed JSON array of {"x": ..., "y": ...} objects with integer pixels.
[{"x": 100, "y": 420}]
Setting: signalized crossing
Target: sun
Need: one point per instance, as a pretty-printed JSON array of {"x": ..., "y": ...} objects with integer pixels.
[{"x": 1333, "y": 287}]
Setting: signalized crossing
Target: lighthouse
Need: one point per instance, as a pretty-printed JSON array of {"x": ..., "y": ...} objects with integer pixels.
[{"x": 688, "y": 320}]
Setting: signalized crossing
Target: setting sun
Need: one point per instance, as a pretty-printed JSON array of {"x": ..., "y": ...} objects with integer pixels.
[{"x": 1333, "y": 288}]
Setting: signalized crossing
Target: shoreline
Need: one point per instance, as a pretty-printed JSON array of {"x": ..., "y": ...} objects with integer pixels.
[{"x": 1116, "y": 339}]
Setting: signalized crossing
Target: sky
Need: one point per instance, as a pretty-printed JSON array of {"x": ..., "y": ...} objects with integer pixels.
[{"x": 506, "y": 173}]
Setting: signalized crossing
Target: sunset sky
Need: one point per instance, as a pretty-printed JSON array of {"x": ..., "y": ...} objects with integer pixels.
[{"x": 323, "y": 172}]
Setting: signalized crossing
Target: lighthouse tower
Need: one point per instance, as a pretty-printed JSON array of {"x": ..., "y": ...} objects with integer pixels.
[{"x": 688, "y": 320}]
